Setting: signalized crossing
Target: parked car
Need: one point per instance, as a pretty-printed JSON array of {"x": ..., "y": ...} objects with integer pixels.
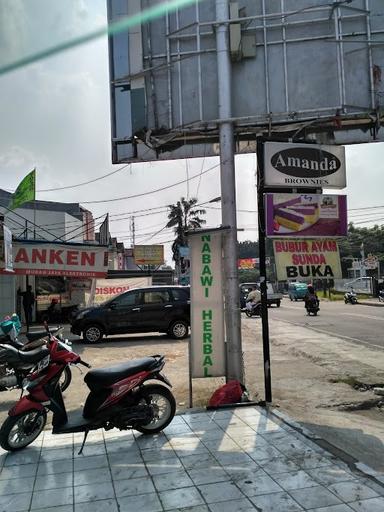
[
  {"x": 152, "y": 309},
  {"x": 272, "y": 296},
  {"x": 297, "y": 290}
]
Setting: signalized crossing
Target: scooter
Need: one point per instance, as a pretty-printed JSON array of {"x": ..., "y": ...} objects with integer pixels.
[
  {"x": 17, "y": 359},
  {"x": 350, "y": 297},
  {"x": 118, "y": 398},
  {"x": 312, "y": 306},
  {"x": 254, "y": 311}
]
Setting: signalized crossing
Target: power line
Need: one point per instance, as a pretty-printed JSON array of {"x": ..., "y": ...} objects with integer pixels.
[{"x": 151, "y": 191}]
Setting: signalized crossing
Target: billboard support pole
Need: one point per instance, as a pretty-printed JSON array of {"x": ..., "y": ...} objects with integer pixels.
[
  {"x": 235, "y": 368},
  {"x": 263, "y": 270}
]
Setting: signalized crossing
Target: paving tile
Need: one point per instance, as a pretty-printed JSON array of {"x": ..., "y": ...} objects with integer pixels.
[
  {"x": 181, "y": 428},
  {"x": 55, "y": 481},
  {"x": 210, "y": 476},
  {"x": 371, "y": 505},
  {"x": 156, "y": 455},
  {"x": 97, "y": 506},
  {"x": 61, "y": 454},
  {"x": 165, "y": 466},
  {"x": 124, "y": 459},
  {"x": 91, "y": 476},
  {"x": 217, "y": 492},
  {"x": 94, "y": 462},
  {"x": 15, "y": 487},
  {"x": 188, "y": 450},
  {"x": 222, "y": 445},
  {"x": 241, "y": 471},
  {"x": 61, "y": 508},
  {"x": 259, "y": 483},
  {"x": 134, "y": 486},
  {"x": 175, "y": 480},
  {"x": 333, "y": 508},
  {"x": 313, "y": 497},
  {"x": 179, "y": 497},
  {"x": 295, "y": 480},
  {"x": 240, "y": 505},
  {"x": 55, "y": 466},
  {"x": 155, "y": 441},
  {"x": 264, "y": 453},
  {"x": 206, "y": 436},
  {"x": 199, "y": 461},
  {"x": 329, "y": 475},
  {"x": 21, "y": 471},
  {"x": 128, "y": 471},
  {"x": 278, "y": 465},
  {"x": 43, "y": 499},
  {"x": 93, "y": 492},
  {"x": 198, "y": 508},
  {"x": 29, "y": 456},
  {"x": 233, "y": 458},
  {"x": 122, "y": 447},
  {"x": 251, "y": 442},
  {"x": 352, "y": 491},
  {"x": 15, "y": 502},
  {"x": 310, "y": 460},
  {"x": 145, "y": 502},
  {"x": 89, "y": 450},
  {"x": 276, "y": 502}
]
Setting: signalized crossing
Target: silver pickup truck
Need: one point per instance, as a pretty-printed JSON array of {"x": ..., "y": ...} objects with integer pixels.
[{"x": 273, "y": 297}]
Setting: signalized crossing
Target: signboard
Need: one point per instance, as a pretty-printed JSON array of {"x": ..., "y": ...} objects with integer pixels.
[
  {"x": 250, "y": 263},
  {"x": 315, "y": 85},
  {"x": 6, "y": 256},
  {"x": 108, "y": 288},
  {"x": 371, "y": 262},
  {"x": 148, "y": 254},
  {"x": 306, "y": 215},
  {"x": 304, "y": 165},
  {"x": 307, "y": 259},
  {"x": 207, "y": 311},
  {"x": 54, "y": 259}
]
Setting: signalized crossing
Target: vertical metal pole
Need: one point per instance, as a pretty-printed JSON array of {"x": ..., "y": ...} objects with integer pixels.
[
  {"x": 228, "y": 196},
  {"x": 263, "y": 271}
]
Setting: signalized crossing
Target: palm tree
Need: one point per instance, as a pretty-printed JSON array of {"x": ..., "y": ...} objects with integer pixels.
[{"x": 183, "y": 216}]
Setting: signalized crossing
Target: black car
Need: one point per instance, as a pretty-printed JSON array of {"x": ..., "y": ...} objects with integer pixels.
[{"x": 153, "y": 309}]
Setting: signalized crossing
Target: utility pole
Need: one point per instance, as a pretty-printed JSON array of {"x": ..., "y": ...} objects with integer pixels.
[
  {"x": 133, "y": 230},
  {"x": 235, "y": 365},
  {"x": 363, "y": 272}
]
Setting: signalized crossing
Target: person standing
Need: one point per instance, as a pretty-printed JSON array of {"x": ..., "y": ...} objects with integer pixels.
[{"x": 28, "y": 303}]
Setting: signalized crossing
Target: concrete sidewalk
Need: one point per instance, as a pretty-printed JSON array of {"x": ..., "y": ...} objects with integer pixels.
[{"x": 232, "y": 460}]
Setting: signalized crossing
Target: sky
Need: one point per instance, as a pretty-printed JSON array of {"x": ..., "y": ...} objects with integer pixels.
[{"x": 55, "y": 116}]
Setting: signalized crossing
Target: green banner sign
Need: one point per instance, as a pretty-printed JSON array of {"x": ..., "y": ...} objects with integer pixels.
[{"x": 25, "y": 192}]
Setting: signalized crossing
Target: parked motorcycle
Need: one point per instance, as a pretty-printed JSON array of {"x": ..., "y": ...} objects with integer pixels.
[
  {"x": 254, "y": 311},
  {"x": 350, "y": 297},
  {"x": 118, "y": 398},
  {"x": 18, "y": 358},
  {"x": 381, "y": 296}
]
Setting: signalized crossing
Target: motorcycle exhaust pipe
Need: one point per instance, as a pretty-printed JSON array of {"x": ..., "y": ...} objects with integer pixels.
[{"x": 9, "y": 381}]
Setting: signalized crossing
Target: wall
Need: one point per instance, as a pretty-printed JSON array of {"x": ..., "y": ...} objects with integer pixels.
[{"x": 7, "y": 295}]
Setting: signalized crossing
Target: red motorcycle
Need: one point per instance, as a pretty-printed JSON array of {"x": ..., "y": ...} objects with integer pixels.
[{"x": 118, "y": 398}]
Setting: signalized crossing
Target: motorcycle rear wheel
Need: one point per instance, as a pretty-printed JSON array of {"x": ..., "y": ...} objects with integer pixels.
[
  {"x": 164, "y": 405},
  {"x": 19, "y": 431}
]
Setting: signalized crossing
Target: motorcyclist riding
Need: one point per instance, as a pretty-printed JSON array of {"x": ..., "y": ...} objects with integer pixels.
[
  {"x": 311, "y": 300},
  {"x": 253, "y": 298}
]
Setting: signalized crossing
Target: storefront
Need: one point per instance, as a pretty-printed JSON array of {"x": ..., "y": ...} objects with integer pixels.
[{"x": 60, "y": 275}]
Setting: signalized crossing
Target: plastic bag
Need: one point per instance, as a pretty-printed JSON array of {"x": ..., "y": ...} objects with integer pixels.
[{"x": 230, "y": 393}]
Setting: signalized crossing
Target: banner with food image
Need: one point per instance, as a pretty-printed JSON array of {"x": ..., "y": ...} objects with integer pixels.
[{"x": 306, "y": 215}]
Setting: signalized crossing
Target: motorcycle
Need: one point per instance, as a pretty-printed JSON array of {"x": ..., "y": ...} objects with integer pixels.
[
  {"x": 350, "y": 297},
  {"x": 381, "y": 296},
  {"x": 254, "y": 311},
  {"x": 118, "y": 398},
  {"x": 17, "y": 359},
  {"x": 312, "y": 306}
]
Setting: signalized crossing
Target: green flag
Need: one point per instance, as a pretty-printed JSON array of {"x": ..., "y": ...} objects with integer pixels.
[{"x": 25, "y": 192}]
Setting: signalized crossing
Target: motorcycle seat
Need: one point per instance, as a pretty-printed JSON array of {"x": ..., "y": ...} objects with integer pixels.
[
  {"x": 36, "y": 335},
  {"x": 33, "y": 356},
  {"x": 107, "y": 376}
]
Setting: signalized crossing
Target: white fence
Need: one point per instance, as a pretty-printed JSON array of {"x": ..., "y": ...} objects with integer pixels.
[{"x": 359, "y": 284}]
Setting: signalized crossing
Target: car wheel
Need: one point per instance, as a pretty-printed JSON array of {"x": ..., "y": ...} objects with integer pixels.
[
  {"x": 278, "y": 303},
  {"x": 92, "y": 334},
  {"x": 179, "y": 329}
]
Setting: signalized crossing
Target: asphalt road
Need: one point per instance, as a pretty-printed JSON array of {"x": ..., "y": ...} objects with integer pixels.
[{"x": 358, "y": 323}]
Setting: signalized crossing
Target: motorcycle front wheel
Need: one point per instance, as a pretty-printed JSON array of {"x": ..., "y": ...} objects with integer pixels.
[
  {"x": 163, "y": 403},
  {"x": 19, "y": 431},
  {"x": 65, "y": 378}
]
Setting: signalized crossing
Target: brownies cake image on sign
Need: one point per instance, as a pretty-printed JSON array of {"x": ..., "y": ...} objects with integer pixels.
[{"x": 295, "y": 214}]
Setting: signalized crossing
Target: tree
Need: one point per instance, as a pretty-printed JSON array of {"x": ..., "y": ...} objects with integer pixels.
[{"x": 183, "y": 216}]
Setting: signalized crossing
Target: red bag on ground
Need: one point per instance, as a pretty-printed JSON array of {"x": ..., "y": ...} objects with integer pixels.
[{"x": 230, "y": 393}]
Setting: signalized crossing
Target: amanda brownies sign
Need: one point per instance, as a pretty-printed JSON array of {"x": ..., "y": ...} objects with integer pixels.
[{"x": 304, "y": 165}]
